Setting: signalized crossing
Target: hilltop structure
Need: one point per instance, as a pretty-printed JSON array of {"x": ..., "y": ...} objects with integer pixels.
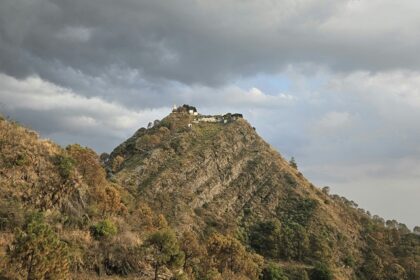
[{"x": 198, "y": 118}]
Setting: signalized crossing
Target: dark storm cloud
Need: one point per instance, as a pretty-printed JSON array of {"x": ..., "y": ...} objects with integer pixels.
[{"x": 205, "y": 42}]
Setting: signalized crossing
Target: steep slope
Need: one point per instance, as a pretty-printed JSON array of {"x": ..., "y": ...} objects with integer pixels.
[
  {"x": 56, "y": 206},
  {"x": 61, "y": 218},
  {"x": 214, "y": 173},
  {"x": 191, "y": 197},
  {"x": 216, "y": 168}
]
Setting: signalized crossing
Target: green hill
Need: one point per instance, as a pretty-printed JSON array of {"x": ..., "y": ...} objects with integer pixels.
[{"x": 191, "y": 197}]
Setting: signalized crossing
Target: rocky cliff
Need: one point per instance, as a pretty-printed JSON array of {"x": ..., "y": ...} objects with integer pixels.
[
  {"x": 190, "y": 197},
  {"x": 221, "y": 176}
]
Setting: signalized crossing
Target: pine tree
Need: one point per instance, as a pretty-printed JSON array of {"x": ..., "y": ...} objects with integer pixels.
[
  {"x": 229, "y": 256},
  {"x": 38, "y": 252},
  {"x": 192, "y": 251},
  {"x": 164, "y": 249},
  {"x": 293, "y": 163}
]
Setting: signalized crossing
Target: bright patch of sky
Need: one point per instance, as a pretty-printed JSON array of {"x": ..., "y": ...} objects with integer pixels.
[{"x": 269, "y": 84}]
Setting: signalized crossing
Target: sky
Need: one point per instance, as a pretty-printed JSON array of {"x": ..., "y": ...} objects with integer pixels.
[{"x": 334, "y": 83}]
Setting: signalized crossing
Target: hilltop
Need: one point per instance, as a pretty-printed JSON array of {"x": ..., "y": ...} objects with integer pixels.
[{"x": 189, "y": 197}]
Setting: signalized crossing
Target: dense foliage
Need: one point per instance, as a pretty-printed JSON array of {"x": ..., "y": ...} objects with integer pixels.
[
  {"x": 164, "y": 250},
  {"x": 38, "y": 252},
  {"x": 273, "y": 272}
]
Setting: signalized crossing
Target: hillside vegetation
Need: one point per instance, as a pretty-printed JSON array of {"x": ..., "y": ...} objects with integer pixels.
[{"x": 210, "y": 200}]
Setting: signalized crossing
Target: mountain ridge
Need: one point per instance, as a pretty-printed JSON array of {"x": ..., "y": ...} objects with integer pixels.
[{"x": 214, "y": 182}]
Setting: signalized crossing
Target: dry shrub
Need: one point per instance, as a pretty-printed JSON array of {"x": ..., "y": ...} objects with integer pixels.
[
  {"x": 108, "y": 200},
  {"x": 116, "y": 163},
  {"x": 88, "y": 165},
  {"x": 29, "y": 169}
]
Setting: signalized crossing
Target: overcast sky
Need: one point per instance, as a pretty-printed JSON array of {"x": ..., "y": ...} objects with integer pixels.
[{"x": 334, "y": 83}]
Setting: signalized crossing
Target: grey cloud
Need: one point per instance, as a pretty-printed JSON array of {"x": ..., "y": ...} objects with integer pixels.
[
  {"x": 89, "y": 72},
  {"x": 346, "y": 137},
  {"x": 201, "y": 41},
  {"x": 68, "y": 117}
]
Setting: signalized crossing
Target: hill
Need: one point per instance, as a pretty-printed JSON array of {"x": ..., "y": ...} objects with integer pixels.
[{"x": 190, "y": 197}]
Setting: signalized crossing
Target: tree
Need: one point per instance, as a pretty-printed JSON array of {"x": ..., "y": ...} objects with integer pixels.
[
  {"x": 39, "y": 252},
  {"x": 293, "y": 163},
  {"x": 299, "y": 240},
  {"x": 192, "y": 251},
  {"x": 392, "y": 224},
  {"x": 103, "y": 229},
  {"x": 319, "y": 248},
  {"x": 273, "y": 272},
  {"x": 65, "y": 165},
  {"x": 296, "y": 273},
  {"x": 229, "y": 255},
  {"x": 294, "y": 241},
  {"x": 164, "y": 249},
  {"x": 321, "y": 272},
  {"x": 403, "y": 229},
  {"x": 373, "y": 267},
  {"x": 88, "y": 165},
  {"x": 265, "y": 238},
  {"x": 104, "y": 194},
  {"x": 108, "y": 200}
]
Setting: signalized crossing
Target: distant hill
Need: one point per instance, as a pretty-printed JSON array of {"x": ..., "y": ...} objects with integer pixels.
[{"x": 190, "y": 197}]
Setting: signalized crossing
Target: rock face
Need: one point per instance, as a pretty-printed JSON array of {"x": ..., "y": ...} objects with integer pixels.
[
  {"x": 221, "y": 176},
  {"x": 214, "y": 194},
  {"x": 214, "y": 166}
]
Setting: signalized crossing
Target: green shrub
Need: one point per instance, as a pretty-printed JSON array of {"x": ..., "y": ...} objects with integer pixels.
[
  {"x": 265, "y": 238},
  {"x": 349, "y": 261},
  {"x": 103, "y": 229},
  {"x": 247, "y": 211},
  {"x": 275, "y": 240},
  {"x": 166, "y": 123},
  {"x": 321, "y": 272},
  {"x": 65, "y": 165},
  {"x": 164, "y": 249},
  {"x": 294, "y": 241},
  {"x": 21, "y": 160},
  {"x": 296, "y": 273},
  {"x": 293, "y": 163},
  {"x": 38, "y": 251},
  {"x": 273, "y": 272},
  {"x": 296, "y": 209}
]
